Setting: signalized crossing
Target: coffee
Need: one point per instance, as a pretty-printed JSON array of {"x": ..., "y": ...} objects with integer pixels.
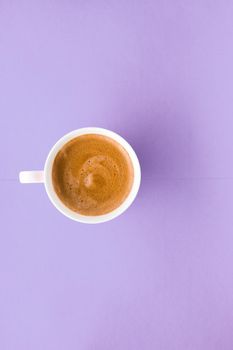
[{"x": 92, "y": 174}]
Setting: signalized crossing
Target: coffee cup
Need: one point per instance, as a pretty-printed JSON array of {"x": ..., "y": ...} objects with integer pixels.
[{"x": 45, "y": 176}]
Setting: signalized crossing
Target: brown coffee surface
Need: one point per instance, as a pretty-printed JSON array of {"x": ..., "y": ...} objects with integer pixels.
[{"x": 92, "y": 174}]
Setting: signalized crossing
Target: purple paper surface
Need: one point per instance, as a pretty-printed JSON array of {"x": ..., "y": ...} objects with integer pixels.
[{"x": 160, "y": 276}]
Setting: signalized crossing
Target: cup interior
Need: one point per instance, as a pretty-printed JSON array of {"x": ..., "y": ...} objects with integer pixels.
[{"x": 56, "y": 200}]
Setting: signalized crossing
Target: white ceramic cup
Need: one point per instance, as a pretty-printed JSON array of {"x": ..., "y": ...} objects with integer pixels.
[{"x": 45, "y": 176}]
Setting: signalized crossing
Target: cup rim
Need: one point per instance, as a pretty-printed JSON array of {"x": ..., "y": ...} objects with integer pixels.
[{"x": 56, "y": 200}]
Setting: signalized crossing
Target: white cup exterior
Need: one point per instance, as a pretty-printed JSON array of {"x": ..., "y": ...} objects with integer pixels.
[{"x": 47, "y": 176}]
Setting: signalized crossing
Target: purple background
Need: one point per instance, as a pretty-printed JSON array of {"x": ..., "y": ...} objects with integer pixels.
[{"x": 161, "y": 74}]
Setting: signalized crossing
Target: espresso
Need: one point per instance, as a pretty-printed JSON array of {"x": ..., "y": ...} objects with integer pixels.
[{"x": 92, "y": 174}]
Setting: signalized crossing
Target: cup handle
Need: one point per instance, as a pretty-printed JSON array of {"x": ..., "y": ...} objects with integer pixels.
[{"x": 29, "y": 177}]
